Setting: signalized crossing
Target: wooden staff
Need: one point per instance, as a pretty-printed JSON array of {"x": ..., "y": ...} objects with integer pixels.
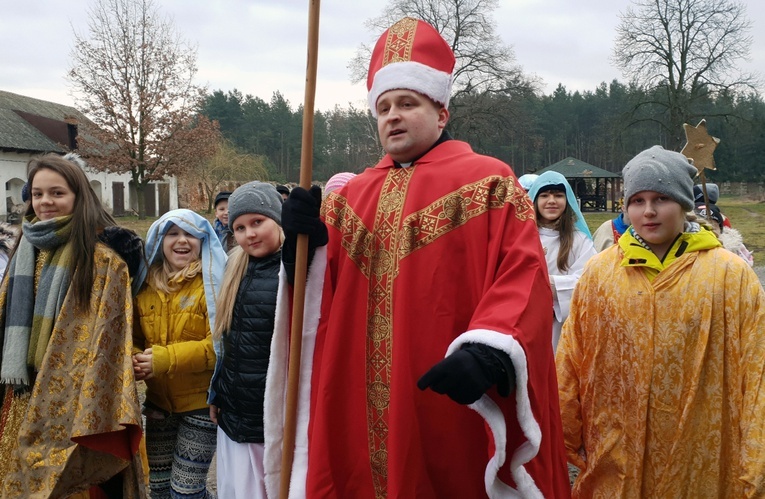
[{"x": 301, "y": 259}]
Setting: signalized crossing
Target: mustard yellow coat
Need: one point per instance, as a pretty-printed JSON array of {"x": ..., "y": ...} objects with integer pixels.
[
  {"x": 176, "y": 327},
  {"x": 661, "y": 380}
]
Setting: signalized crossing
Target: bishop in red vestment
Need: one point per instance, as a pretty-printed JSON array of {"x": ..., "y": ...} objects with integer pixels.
[{"x": 433, "y": 273}]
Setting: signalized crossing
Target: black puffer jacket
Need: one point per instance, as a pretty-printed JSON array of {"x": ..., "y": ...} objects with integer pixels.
[{"x": 241, "y": 383}]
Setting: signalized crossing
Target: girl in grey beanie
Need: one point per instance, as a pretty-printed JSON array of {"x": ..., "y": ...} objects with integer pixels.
[
  {"x": 242, "y": 338},
  {"x": 661, "y": 360},
  {"x": 659, "y": 170}
]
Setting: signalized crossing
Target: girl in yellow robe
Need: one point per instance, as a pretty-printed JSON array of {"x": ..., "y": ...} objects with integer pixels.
[
  {"x": 661, "y": 362},
  {"x": 70, "y": 421}
]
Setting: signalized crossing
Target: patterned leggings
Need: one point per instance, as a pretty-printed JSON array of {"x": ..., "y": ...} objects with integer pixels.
[{"x": 180, "y": 450}]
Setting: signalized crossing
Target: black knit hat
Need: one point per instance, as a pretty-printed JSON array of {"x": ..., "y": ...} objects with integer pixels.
[{"x": 222, "y": 196}]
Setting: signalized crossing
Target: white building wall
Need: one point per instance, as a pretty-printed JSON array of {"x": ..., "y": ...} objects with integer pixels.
[
  {"x": 104, "y": 182},
  {"x": 13, "y": 175}
]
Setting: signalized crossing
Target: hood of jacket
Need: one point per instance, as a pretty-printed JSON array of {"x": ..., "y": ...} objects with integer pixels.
[{"x": 636, "y": 254}]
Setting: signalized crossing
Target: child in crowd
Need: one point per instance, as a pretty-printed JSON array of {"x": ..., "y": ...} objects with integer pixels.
[
  {"x": 337, "y": 181},
  {"x": 713, "y": 194},
  {"x": 283, "y": 191},
  {"x": 71, "y": 423},
  {"x": 243, "y": 330},
  {"x": 175, "y": 312},
  {"x": 565, "y": 238},
  {"x": 610, "y": 231},
  {"x": 527, "y": 180},
  {"x": 730, "y": 238},
  {"x": 661, "y": 362},
  {"x": 221, "y": 221}
]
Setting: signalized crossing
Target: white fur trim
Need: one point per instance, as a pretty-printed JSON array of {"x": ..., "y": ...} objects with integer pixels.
[
  {"x": 411, "y": 75},
  {"x": 731, "y": 239},
  {"x": 276, "y": 380},
  {"x": 490, "y": 412}
]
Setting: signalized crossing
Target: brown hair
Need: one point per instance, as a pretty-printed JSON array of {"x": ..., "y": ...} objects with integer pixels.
[
  {"x": 163, "y": 278},
  {"x": 88, "y": 217}
]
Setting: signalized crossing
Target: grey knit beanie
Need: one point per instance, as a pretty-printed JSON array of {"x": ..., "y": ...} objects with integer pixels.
[
  {"x": 659, "y": 170},
  {"x": 713, "y": 193},
  {"x": 255, "y": 197}
]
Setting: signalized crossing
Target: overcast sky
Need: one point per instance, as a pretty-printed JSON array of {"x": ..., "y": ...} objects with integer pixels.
[{"x": 258, "y": 46}]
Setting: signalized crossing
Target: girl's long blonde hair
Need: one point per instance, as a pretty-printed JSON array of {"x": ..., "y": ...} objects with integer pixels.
[
  {"x": 162, "y": 278},
  {"x": 236, "y": 268}
]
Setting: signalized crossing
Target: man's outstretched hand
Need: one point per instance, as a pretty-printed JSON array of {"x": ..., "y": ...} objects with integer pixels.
[{"x": 468, "y": 373}]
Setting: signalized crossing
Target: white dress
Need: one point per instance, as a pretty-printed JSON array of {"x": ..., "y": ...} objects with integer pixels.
[{"x": 564, "y": 282}]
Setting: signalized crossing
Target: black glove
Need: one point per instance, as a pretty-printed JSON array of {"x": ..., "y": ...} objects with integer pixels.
[
  {"x": 300, "y": 215},
  {"x": 468, "y": 373}
]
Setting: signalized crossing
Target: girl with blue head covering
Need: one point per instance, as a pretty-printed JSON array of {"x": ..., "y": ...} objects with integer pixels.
[
  {"x": 173, "y": 349},
  {"x": 565, "y": 237}
]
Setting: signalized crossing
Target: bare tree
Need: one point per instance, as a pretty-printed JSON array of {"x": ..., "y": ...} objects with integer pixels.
[
  {"x": 682, "y": 52},
  {"x": 225, "y": 166},
  {"x": 484, "y": 62},
  {"x": 134, "y": 77}
]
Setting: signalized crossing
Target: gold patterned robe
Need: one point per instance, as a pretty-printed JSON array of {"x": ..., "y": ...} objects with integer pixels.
[
  {"x": 82, "y": 424},
  {"x": 660, "y": 374}
]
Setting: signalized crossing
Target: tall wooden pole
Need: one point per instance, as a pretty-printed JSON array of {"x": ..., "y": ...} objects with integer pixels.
[{"x": 296, "y": 335}]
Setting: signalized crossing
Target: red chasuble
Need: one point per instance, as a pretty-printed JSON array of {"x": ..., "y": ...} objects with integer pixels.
[{"x": 420, "y": 261}]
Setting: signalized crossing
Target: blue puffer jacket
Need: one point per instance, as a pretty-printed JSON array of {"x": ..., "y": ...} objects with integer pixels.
[{"x": 239, "y": 382}]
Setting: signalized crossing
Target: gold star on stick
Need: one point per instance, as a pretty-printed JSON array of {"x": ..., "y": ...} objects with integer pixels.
[{"x": 700, "y": 146}]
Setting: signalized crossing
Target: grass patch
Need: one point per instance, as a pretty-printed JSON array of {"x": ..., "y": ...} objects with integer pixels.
[
  {"x": 595, "y": 219},
  {"x": 748, "y": 217}
]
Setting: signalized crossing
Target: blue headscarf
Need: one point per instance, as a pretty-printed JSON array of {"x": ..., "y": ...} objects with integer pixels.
[
  {"x": 555, "y": 178},
  {"x": 212, "y": 253}
]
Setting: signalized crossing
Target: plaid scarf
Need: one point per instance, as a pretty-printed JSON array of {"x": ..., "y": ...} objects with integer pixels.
[{"x": 29, "y": 316}]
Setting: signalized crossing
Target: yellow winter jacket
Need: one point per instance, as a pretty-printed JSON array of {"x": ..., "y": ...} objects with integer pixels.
[{"x": 177, "y": 329}]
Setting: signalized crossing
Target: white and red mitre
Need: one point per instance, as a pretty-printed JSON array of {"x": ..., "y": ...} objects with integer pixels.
[{"x": 411, "y": 55}]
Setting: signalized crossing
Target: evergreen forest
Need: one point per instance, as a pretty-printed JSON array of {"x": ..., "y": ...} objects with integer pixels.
[{"x": 604, "y": 127}]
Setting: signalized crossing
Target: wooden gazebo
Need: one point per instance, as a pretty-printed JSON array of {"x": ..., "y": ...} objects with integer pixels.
[{"x": 592, "y": 185}]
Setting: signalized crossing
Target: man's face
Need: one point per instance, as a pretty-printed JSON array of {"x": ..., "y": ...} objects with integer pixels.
[{"x": 408, "y": 123}]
